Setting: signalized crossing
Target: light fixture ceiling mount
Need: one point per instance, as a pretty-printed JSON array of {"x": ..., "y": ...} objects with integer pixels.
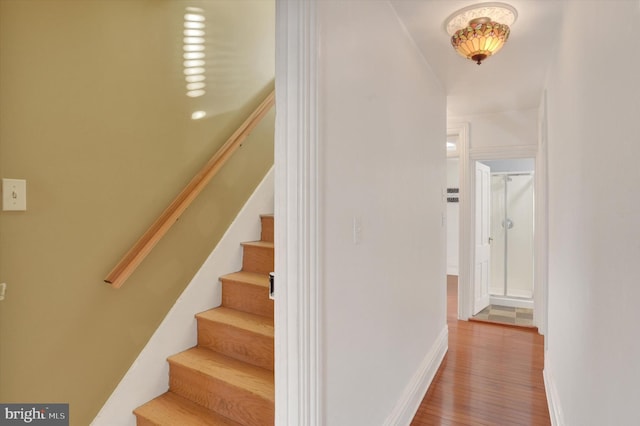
[{"x": 480, "y": 30}]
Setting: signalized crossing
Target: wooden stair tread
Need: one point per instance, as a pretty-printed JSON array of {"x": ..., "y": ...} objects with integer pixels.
[
  {"x": 170, "y": 409},
  {"x": 267, "y": 215},
  {"x": 257, "y": 324},
  {"x": 256, "y": 380},
  {"x": 247, "y": 277}
]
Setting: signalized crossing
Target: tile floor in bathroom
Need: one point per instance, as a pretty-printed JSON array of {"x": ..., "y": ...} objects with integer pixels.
[{"x": 506, "y": 315}]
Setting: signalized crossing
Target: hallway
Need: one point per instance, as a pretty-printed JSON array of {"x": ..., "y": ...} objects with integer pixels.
[{"x": 491, "y": 375}]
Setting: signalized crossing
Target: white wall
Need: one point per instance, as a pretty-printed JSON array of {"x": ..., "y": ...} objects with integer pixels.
[
  {"x": 502, "y": 129},
  {"x": 593, "y": 98},
  {"x": 382, "y": 128}
]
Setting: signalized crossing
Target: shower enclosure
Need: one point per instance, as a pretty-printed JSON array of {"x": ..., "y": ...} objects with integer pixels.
[{"x": 512, "y": 244}]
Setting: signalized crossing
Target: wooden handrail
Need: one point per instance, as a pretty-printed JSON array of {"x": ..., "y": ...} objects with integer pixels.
[{"x": 143, "y": 246}]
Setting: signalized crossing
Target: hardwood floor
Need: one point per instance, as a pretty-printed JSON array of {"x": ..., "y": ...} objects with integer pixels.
[{"x": 491, "y": 375}]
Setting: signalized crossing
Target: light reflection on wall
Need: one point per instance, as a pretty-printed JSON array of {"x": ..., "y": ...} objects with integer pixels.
[{"x": 194, "y": 55}]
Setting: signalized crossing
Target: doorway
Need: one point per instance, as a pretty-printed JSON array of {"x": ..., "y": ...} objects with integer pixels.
[
  {"x": 467, "y": 159},
  {"x": 510, "y": 243}
]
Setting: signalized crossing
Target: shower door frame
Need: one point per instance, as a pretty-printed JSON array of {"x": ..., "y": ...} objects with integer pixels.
[{"x": 505, "y": 293}]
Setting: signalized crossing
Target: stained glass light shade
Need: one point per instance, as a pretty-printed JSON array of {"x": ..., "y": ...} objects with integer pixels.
[
  {"x": 481, "y": 29},
  {"x": 480, "y": 39}
]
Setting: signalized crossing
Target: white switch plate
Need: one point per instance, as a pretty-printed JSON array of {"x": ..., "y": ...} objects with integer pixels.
[
  {"x": 357, "y": 230},
  {"x": 14, "y": 194}
]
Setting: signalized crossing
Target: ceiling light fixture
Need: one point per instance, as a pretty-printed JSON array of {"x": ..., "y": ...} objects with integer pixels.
[{"x": 480, "y": 30}]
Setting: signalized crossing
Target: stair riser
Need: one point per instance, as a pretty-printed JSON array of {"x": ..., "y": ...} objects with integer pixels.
[
  {"x": 237, "y": 404},
  {"x": 237, "y": 343},
  {"x": 257, "y": 259},
  {"x": 247, "y": 298},
  {"x": 267, "y": 228},
  {"x": 141, "y": 421}
]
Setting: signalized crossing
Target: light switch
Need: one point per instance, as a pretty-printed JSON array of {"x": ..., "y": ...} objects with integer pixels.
[
  {"x": 14, "y": 194},
  {"x": 357, "y": 230}
]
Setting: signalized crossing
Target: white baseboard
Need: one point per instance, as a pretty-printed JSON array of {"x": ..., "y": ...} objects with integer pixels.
[
  {"x": 406, "y": 408},
  {"x": 148, "y": 377},
  {"x": 553, "y": 400},
  {"x": 452, "y": 269}
]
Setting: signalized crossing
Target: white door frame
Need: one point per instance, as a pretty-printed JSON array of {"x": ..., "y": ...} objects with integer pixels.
[
  {"x": 465, "y": 259},
  {"x": 467, "y": 227},
  {"x": 298, "y": 366}
]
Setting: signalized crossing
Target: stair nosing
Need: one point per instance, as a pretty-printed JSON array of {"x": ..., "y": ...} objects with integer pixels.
[
  {"x": 247, "y": 277},
  {"x": 254, "y": 323},
  {"x": 172, "y": 399},
  {"x": 260, "y": 244}
]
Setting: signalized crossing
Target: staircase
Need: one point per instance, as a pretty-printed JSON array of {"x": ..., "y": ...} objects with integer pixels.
[{"x": 227, "y": 379}]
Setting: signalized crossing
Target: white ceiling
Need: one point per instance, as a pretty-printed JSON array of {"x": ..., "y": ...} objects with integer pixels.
[{"x": 511, "y": 80}]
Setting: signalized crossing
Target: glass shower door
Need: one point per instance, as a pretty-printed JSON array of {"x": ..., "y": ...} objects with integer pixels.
[{"x": 512, "y": 232}]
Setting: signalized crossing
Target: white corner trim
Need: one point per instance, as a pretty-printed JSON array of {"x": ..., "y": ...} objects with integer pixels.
[
  {"x": 298, "y": 334},
  {"x": 553, "y": 400},
  {"x": 406, "y": 408},
  {"x": 148, "y": 377}
]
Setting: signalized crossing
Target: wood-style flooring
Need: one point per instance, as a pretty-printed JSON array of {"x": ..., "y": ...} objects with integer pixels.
[{"x": 491, "y": 375}]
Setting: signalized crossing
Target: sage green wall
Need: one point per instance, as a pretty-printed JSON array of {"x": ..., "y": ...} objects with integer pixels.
[{"x": 94, "y": 115}]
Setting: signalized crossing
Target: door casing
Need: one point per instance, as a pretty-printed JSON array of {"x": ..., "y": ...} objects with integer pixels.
[{"x": 468, "y": 157}]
